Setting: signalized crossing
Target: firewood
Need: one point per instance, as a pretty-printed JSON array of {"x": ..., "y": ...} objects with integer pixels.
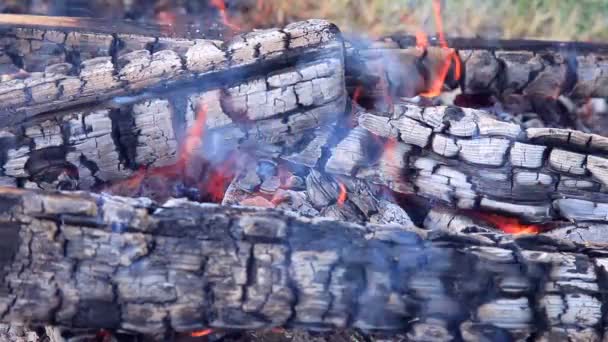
[
  {"x": 260, "y": 90},
  {"x": 97, "y": 261},
  {"x": 532, "y": 68}
]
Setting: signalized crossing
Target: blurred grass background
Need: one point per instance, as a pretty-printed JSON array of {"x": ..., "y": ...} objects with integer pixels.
[{"x": 585, "y": 20}]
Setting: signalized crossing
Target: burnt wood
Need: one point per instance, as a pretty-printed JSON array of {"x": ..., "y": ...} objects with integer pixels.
[
  {"x": 261, "y": 90},
  {"x": 96, "y": 261},
  {"x": 65, "y": 69},
  {"x": 471, "y": 160}
]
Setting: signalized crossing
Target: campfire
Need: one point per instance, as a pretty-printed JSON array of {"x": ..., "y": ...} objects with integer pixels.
[{"x": 165, "y": 179}]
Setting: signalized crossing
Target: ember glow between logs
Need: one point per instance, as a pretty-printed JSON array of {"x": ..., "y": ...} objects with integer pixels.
[
  {"x": 509, "y": 225},
  {"x": 201, "y": 333}
]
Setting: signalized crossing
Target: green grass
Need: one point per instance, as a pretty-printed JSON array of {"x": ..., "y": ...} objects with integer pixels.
[{"x": 585, "y": 20}]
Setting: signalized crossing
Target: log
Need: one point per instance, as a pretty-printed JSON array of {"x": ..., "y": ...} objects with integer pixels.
[
  {"x": 264, "y": 91},
  {"x": 96, "y": 261},
  {"x": 470, "y": 160},
  {"x": 507, "y": 69},
  {"x": 73, "y": 68}
]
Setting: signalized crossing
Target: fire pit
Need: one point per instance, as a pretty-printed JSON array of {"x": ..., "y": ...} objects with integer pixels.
[{"x": 164, "y": 178}]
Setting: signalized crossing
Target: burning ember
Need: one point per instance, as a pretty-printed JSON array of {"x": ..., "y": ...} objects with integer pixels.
[
  {"x": 201, "y": 333},
  {"x": 510, "y": 225}
]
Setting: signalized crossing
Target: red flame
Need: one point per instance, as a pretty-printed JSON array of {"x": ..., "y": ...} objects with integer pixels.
[
  {"x": 342, "y": 195},
  {"x": 219, "y": 178},
  {"x": 510, "y": 225},
  {"x": 221, "y": 7},
  {"x": 201, "y": 333},
  {"x": 444, "y": 68}
]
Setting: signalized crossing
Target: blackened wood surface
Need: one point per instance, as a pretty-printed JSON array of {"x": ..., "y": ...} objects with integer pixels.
[{"x": 97, "y": 261}]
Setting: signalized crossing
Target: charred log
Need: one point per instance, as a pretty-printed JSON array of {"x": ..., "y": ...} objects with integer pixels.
[
  {"x": 73, "y": 68},
  {"x": 260, "y": 91},
  {"x": 471, "y": 160},
  {"x": 96, "y": 261}
]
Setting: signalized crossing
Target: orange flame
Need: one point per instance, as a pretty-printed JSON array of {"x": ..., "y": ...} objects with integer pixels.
[
  {"x": 342, "y": 195},
  {"x": 201, "y": 333},
  {"x": 510, "y": 225},
  {"x": 216, "y": 177},
  {"x": 194, "y": 137},
  {"x": 422, "y": 41},
  {"x": 221, "y": 7}
]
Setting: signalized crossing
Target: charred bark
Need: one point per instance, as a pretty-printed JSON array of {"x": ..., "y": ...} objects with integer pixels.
[{"x": 95, "y": 261}]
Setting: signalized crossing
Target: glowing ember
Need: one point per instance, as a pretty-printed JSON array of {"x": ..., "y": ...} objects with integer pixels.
[
  {"x": 357, "y": 94},
  {"x": 221, "y": 7},
  {"x": 442, "y": 72},
  {"x": 167, "y": 18},
  {"x": 103, "y": 336},
  {"x": 218, "y": 179},
  {"x": 201, "y": 333},
  {"x": 422, "y": 41},
  {"x": 510, "y": 225},
  {"x": 342, "y": 195}
]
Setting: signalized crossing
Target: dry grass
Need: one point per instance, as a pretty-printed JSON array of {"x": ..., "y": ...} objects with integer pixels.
[{"x": 544, "y": 19}]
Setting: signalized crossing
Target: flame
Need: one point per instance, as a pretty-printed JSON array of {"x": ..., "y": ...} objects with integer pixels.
[
  {"x": 221, "y": 7},
  {"x": 201, "y": 333},
  {"x": 342, "y": 195},
  {"x": 510, "y": 225},
  {"x": 442, "y": 73},
  {"x": 219, "y": 179},
  {"x": 212, "y": 183},
  {"x": 194, "y": 137}
]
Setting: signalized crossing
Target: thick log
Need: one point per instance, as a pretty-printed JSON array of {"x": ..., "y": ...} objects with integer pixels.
[
  {"x": 258, "y": 92},
  {"x": 471, "y": 160},
  {"x": 97, "y": 261},
  {"x": 535, "y": 69}
]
